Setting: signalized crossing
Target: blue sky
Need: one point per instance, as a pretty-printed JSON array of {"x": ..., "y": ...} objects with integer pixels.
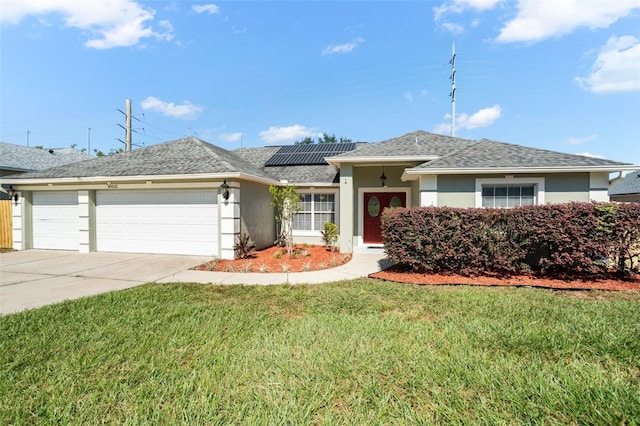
[{"x": 551, "y": 74}]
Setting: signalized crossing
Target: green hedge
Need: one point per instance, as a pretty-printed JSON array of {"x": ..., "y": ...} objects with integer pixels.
[{"x": 573, "y": 238}]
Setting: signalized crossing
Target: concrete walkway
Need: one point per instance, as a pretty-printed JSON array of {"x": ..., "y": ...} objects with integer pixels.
[
  {"x": 361, "y": 265},
  {"x": 34, "y": 278}
]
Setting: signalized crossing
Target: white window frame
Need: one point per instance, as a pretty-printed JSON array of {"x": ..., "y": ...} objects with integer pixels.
[
  {"x": 336, "y": 212},
  {"x": 537, "y": 182}
]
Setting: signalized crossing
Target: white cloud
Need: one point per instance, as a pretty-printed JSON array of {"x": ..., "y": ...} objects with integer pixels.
[
  {"x": 211, "y": 9},
  {"x": 111, "y": 23},
  {"x": 185, "y": 111},
  {"x": 410, "y": 96},
  {"x": 443, "y": 128},
  {"x": 343, "y": 48},
  {"x": 482, "y": 118},
  {"x": 288, "y": 133},
  {"x": 577, "y": 141},
  {"x": 459, "y": 6},
  {"x": 453, "y": 28},
  {"x": 540, "y": 19},
  {"x": 231, "y": 137},
  {"x": 617, "y": 68},
  {"x": 588, "y": 154}
]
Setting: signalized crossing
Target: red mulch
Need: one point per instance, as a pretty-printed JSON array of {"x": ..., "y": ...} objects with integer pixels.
[
  {"x": 275, "y": 259},
  {"x": 403, "y": 274}
]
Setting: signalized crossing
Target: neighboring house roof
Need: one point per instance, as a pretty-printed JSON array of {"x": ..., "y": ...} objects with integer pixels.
[
  {"x": 629, "y": 185},
  {"x": 188, "y": 156},
  {"x": 25, "y": 159}
]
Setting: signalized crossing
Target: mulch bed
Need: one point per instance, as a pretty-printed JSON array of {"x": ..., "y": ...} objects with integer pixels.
[
  {"x": 403, "y": 274},
  {"x": 306, "y": 257}
]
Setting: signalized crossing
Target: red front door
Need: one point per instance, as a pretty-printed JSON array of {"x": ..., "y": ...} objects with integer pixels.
[{"x": 374, "y": 204}]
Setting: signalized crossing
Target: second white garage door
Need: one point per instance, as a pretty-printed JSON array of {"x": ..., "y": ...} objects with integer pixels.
[
  {"x": 173, "y": 222},
  {"x": 55, "y": 220}
]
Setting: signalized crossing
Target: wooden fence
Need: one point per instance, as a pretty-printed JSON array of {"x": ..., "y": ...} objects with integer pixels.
[{"x": 6, "y": 224}]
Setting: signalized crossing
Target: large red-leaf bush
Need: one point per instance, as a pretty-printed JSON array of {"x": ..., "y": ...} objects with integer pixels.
[{"x": 573, "y": 238}]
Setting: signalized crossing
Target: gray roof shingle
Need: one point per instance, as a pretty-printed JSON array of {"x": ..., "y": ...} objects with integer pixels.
[
  {"x": 25, "y": 159},
  {"x": 628, "y": 185},
  {"x": 488, "y": 154},
  {"x": 418, "y": 143},
  {"x": 180, "y": 157}
]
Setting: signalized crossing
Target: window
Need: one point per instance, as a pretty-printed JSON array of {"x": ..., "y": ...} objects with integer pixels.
[
  {"x": 315, "y": 211},
  {"x": 510, "y": 191},
  {"x": 508, "y": 195}
]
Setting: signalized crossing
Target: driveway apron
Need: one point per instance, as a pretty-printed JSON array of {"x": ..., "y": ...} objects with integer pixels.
[{"x": 34, "y": 278}]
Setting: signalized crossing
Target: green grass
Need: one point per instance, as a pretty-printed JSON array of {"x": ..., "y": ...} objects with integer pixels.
[{"x": 356, "y": 352}]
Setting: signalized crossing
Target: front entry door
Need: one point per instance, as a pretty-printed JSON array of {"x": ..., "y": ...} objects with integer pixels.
[{"x": 374, "y": 204}]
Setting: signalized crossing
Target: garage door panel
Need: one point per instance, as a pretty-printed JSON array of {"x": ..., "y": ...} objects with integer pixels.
[
  {"x": 55, "y": 220},
  {"x": 180, "y": 222}
]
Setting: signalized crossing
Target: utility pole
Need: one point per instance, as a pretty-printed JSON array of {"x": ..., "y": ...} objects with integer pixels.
[
  {"x": 89, "y": 141},
  {"x": 28, "y": 137},
  {"x": 453, "y": 89},
  {"x": 127, "y": 126},
  {"x": 127, "y": 138}
]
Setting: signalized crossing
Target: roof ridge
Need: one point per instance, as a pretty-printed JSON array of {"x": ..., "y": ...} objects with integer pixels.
[{"x": 457, "y": 151}]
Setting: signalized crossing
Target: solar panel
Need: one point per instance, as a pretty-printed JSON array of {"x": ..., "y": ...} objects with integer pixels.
[{"x": 308, "y": 154}]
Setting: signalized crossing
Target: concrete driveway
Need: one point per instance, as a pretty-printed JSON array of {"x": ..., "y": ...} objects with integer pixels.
[{"x": 34, "y": 278}]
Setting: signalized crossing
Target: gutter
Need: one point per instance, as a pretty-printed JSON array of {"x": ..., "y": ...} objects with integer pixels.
[{"x": 136, "y": 179}]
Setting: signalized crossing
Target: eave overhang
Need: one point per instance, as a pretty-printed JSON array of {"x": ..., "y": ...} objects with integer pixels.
[{"x": 415, "y": 173}]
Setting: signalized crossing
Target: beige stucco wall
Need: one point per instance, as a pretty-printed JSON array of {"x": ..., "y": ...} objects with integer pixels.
[
  {"x": 256, "y": 214},
  {"x": 562, "y": 188},
  {"x": 456, "y": 191},
  {"x": 459, "y": 190}
]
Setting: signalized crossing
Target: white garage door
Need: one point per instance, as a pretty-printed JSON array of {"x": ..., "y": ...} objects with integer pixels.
[
  {"x": 174, "y": 222},
  {"x": 55, "y": 220}
]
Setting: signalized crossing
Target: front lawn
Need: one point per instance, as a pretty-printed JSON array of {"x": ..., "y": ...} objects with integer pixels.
[{"x": 356, "y": 352}]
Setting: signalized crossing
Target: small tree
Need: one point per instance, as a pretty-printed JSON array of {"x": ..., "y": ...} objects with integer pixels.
[
  {"x": 286, "y": 201},
  {"x": 330, "y": 235}
]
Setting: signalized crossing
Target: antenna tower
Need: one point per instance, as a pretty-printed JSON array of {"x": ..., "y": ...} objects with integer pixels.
[{"x": 453, "y": 89}]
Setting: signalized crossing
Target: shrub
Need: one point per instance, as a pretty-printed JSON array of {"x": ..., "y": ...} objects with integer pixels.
[
  {"x": 244, "y": 247},
  {"x": 576, "y": 238}
]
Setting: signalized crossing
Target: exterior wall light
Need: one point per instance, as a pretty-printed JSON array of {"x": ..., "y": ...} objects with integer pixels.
[
  {"x": 383, "y": 178},
  {"x": 225, "y": 190},
  {"x": 12, "y": 194}
]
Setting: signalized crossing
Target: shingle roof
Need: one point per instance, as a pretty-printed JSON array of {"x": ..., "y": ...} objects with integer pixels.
[
  {"x": 180, "y": 157},
  {"x": 418, "y": 143},
  {"x": 630, "y": 184},
  {"x": 488, "y": 154},
  {"x": 193, "y": 156},
  {"x": 25, "y": 159}
]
